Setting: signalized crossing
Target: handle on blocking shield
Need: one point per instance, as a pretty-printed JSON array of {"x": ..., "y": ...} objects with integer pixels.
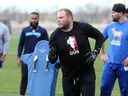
[
  {"x": 126, "y": 68},
  {"x": 34, "y": 63},
  {"x": 46, "y": 65}
]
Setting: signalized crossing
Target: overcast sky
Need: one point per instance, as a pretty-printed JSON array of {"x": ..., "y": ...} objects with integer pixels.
[{"x": 53, "y": 5}]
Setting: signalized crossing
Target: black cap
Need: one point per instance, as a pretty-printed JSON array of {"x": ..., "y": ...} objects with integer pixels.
[
  {"x": 126, "y": 10},
  {"x": 119, "y": 7}
]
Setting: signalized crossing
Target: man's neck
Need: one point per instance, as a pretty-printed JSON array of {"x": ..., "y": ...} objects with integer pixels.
[
  {"x": 122, "y": 19},
  {"x": 69, "y": 28}
]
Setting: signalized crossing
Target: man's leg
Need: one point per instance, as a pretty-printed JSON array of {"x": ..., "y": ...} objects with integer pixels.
[
  {"x": 88, "y": 83},
  {"x": 1, "y": 61},
  {"x": 77, "y": 87},
  {"x": 1, "y": 64},
  {"x": 69, "y": 88},
  {"x": 108, "y": 80},
  {"x": 123, "y": 80},
  {"x": 24, "y": 79}
]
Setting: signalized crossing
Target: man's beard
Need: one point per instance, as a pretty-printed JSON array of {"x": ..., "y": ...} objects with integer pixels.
[
  {"x": 34, "y": 25},
  {"x": 65, "y": 27},
  {"x": 115, "y": 20}
]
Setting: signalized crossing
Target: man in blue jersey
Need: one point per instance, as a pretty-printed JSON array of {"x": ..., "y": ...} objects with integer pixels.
[
  {"x": 4, "y": 42},
  {"x": 126, "y": 12},
  {"x": 116, "y": 59},
  {"x": 30, "y": 36}
]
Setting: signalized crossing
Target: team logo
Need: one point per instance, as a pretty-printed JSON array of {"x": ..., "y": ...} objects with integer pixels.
[
  {"x": 117, "y": 35},
  {"x": 71, "y": 41}
]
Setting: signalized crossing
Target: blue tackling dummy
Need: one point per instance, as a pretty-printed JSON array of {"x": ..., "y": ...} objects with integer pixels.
[{"x": 42, "y": 75}]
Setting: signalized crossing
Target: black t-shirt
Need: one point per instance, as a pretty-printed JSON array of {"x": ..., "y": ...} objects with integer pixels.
[{"x": 72, "y": 45}]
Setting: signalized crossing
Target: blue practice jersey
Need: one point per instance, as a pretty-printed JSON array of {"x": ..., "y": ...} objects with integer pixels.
[
  {"x": 117, "y": 34},
  {"x": 29, "y": 38}
]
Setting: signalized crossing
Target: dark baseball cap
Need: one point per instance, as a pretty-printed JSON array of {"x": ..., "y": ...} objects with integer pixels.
[
  {"x": 126, "y": 10},
  {"x": 119, "y": 7}
]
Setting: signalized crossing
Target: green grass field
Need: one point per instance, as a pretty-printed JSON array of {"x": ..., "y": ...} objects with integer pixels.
[{"x": 10, "y": 74}]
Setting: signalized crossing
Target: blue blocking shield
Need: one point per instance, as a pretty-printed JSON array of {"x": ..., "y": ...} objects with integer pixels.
[{"x": 42, "y": 75}]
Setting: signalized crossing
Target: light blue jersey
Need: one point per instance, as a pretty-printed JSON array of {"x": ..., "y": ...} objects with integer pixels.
[
  {"x": 4, "y": 38},
  {"x": 117, "y": 34}
]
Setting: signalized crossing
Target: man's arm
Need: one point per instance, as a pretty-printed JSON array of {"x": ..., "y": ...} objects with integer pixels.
[
  {"x": 53, "y": 55},
  {"x": 94, "y": 33},
  {"x": 20, "y": 46},
  {"x": 6, "y": 39},
  {"x": 103, "y": 55},
  {"x": 102, "y": 51},
  {"x": 45, "y": 35}
]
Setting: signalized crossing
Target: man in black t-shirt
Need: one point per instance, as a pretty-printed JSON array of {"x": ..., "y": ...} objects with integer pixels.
[{"x": 70, "y": 43}]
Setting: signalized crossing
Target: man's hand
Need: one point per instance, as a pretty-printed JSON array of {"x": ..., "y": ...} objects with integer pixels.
[
  {"x": 18, "y": 61},
  {"x": 125, "y": 62},
  {"x": 2, "y": 58},
  {"x": 90, "y": 57},
  {"x": 52, "y": 55},
  {"x": 104, "y": 57}
]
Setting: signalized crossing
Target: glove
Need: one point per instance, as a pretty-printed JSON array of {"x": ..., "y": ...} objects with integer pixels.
[
  {"x": 57, "y": 65},
  {"x": 52, "y": 56},
  {"x": 90, "y": 57}
]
